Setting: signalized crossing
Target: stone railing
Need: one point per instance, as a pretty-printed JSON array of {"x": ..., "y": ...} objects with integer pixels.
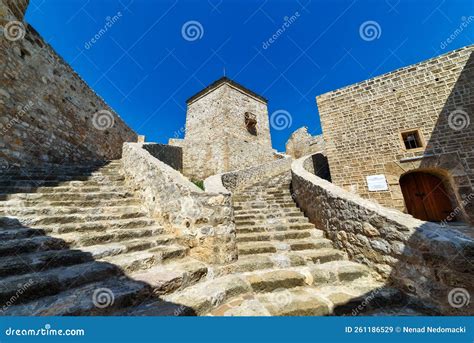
[
  {"x": 431, "y": 263},
  {"x": 238, "y": 179},
  {"x": 203, "y": 221}
]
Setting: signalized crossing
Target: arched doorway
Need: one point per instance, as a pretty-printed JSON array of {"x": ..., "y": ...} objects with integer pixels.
[{"x": 426, "y": 197}]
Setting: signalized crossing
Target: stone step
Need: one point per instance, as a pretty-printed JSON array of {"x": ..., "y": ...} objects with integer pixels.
[
  {"x": 63, "y": 178},
  {"x": 101, "y": 251},
  {"x": 40, "y": 261},
  {"x": 98, "y": 298},
  {"x": 54, "y": 211},
  {"x": 64, "y": 189},
  {"x": 36, "y": 261},
  {"x": 266, "y": 211},
  {"x": 270, "y": 215},
  {"x": 173, "y": 276},
  {"x": 247, "y": 206},
  {"x": 206, "y": 297},
  {"x": 99, "y": 225},
  {"x": 110, "y": 236},
  {"x": 130, "y": 201},
  {"x": 76, "y": 218},
  {"x": 141, "y": 260},
  {"x": 30, "y": 245},
  {"x": 275, "y": 246},
  {"x": 39, "y": 197},
  {"x": 82, "y": 167},
  {"x": 286, "y": 259},
  {"x": 279, "y": 236},
  {"x": 63, "y": 172},
  {"x": 269, "y": 202},
  {"x": 27, "y": 240},
  {"x": 270, "y": 227},
  {"x": 71, "y": 184},
  {"x": 264, "y": 198},
  {"x": 312, "y": 290},
  {"x": 52, "y": 281},
  {"x": 274, "y": 221}
]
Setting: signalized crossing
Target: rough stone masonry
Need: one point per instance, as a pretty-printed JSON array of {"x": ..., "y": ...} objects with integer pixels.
[
  {"x": 363, "y": 123},
  {"x": 49, "y": 114},
  {"x": 227, "y": 129}
]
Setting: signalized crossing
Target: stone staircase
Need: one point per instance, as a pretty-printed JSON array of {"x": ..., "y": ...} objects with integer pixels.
[
  {"x": 69, "y": 231},
  {"x": 75, "y": 241},
  {"x": 286, "y": 267}
]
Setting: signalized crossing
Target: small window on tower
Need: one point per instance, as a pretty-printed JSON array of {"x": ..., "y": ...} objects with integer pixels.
[
  {"x": 412, "y": 139},
  {"x": 251, "y": 123}
]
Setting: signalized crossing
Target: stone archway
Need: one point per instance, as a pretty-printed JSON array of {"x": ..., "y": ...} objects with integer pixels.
[{"x": 427, "y": 197}]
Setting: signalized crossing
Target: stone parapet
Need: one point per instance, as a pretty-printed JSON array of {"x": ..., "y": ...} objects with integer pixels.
[
  {"x": 246, "y": 177},
  {"x": 426, "y": 260},
  {"x": 203, "y": 221}
]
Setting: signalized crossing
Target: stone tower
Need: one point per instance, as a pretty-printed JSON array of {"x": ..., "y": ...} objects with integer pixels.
[{"x": 227, "y": 128}]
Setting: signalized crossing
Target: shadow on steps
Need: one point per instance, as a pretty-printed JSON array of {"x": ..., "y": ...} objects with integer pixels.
[{"x": 46, "y": 278}]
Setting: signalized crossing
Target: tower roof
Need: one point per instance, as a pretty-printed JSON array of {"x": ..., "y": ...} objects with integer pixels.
[{"x": 221, "y": 81}]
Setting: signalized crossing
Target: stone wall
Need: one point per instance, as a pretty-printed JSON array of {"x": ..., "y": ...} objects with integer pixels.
[
  {"x": 362, "y": 126},
  {"x": 203, "y": 221},
  {"x": 246, "y": 177},
  {"x": 217, "y": 139},
  {"x": 171, "y": 155},
  {"x": 424, "y": 259},
  {"x": 48, "y": 113},
  {"x": 301, "y": 143}
]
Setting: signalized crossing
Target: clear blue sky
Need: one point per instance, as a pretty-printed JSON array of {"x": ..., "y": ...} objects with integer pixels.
[{"x": 145, "y": 68}]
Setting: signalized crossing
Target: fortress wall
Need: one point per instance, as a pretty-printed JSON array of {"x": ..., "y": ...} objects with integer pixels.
[
  {"x": 48, "y": 113},
  {"x": 362, "y": 125}
]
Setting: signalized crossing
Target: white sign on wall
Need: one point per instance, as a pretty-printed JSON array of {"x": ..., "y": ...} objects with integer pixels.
[{"x": 377, "y": 183}]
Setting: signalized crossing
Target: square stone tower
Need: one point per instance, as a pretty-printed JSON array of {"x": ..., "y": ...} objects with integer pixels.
[{"x": 227, "y": 128}]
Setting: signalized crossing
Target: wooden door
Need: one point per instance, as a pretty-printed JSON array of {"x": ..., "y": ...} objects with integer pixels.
[{"x": 426, "y": 197}]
